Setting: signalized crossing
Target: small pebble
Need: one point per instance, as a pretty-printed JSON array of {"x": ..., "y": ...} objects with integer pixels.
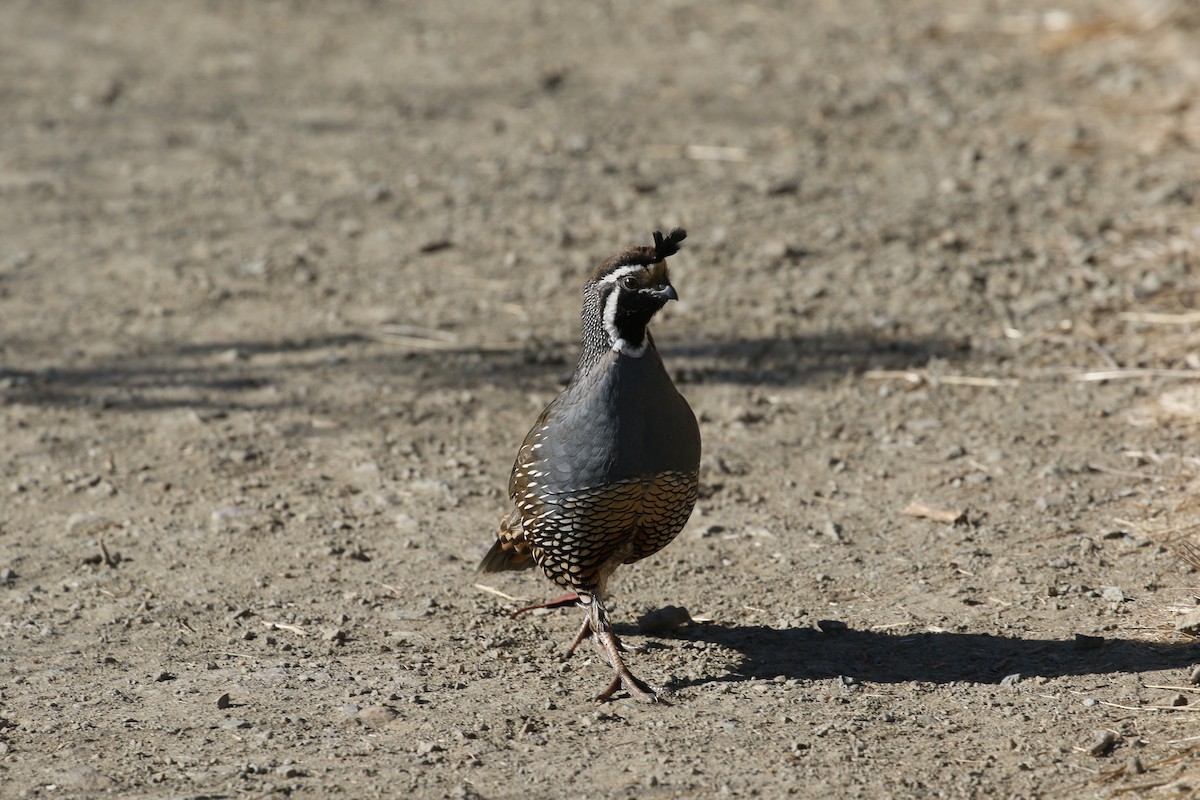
[
  {"x": 435, "y": 245},
  {"x": 1189, "y": 622},
  {"x": 781, "y": 186},
  {"x": 1194, "y": 678},
  {"x": 377, "y": 715},
  {"x": 79, "y": 524},
  {"x": 1104, "y": 742},
  {"x": 832, "y": 626},
  {"x": 1133, "y": 766},
  {"x": 377, "y": 193},
  {"x": 224, "y": 701},
  {"x": 1113, "y": 594},
  {"x": 664, "y": 619}
]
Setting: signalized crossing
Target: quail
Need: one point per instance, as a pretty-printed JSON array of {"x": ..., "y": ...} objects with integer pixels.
[{"x": 609, "y": 473}]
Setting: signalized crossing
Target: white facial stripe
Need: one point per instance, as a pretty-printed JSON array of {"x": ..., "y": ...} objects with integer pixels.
[
  {"x": 610, "y": 316},
  {"x": 615, "y": 276}
]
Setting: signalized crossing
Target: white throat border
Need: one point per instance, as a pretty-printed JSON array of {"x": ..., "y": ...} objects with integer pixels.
[{"x": 619, "y": 344}]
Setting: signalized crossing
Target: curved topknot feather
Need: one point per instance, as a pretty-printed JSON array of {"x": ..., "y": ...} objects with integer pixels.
[{"x": 668, "y": 246}]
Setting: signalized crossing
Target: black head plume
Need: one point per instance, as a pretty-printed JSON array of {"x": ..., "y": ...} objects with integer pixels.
[{"x": 668, "y": 246}]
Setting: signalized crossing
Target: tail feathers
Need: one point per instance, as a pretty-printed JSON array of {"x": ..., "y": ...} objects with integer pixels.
[
  {"x": 502, "y": 559},
  {"x": 510, "y": 551}
]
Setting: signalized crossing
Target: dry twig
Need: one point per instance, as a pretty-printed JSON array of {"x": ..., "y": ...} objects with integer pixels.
[
  {"x": 915, "y": 509},
  {"x": 109, "y": 560}
]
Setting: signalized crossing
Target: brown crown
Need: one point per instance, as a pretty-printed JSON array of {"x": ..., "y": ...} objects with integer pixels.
[{"x": 663, "y": 246}]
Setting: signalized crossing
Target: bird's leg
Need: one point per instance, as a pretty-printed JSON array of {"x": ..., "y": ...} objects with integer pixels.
[
  {"x": 569, "y": 598},
  {"x": 610, "y": 648},
  {"x": 584, "y": 631}
]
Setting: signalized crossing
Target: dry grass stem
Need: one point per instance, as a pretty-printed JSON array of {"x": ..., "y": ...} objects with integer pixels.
[
  {"x": 418, "y": 337},
  {"x": 1188, "y": 551},
  {"x": 1148, "y": 708},
  {"x": 918, "y": 377},
  {"x": 1138, "y": 787},
  {"x": 1129, "y": 374},
  {"x": 1124, "y": 473},
  {"x": 491, "y": 590},
  {"x": 708, "y": 152},
  {"x": 283, "y": 626},
  {"x": 1154, "y": 318},
  {"x": 697, "y": 152}
]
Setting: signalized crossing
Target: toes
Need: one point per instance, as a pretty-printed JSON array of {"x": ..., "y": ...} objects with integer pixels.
[
  {"x": 639, "y": 690},
  {"x": 604, "y": 696},
  {"x": 636, "y": 688}
]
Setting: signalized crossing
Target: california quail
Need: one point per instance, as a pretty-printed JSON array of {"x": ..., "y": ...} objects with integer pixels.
[{"x": 609, "y": 473}]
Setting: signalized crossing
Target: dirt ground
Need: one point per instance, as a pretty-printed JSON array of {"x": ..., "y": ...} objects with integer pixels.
[{"x": 284, "y": 284}]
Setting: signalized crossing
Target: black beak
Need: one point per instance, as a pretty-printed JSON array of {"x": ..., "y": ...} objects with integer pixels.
[{"x": 665, "y": 292}]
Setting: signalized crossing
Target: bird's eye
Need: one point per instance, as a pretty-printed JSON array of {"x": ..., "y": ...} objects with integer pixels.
[{"x": 631, "y": 283}]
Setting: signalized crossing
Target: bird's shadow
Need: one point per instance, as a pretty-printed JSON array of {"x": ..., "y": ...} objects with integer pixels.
[
  {"x": 924, "y": 657},
  {"x": 241, "y": 374}
]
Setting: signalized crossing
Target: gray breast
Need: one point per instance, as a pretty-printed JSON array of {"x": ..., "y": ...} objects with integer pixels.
[{"x": 623, "y": 419}]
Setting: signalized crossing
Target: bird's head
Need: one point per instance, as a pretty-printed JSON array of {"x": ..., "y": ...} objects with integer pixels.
[{"x": 631, "y": 287}]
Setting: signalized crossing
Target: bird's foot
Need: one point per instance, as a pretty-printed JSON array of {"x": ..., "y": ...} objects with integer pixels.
[
  {"x": 637, "y": 688},
  {"x": 622, "y": 677}
]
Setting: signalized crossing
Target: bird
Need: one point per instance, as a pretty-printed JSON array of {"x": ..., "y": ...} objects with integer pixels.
[{"x": 609, "y": 473}]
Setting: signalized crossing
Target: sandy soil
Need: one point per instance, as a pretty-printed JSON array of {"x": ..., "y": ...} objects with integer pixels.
[{"x": 283, "y": 285}]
